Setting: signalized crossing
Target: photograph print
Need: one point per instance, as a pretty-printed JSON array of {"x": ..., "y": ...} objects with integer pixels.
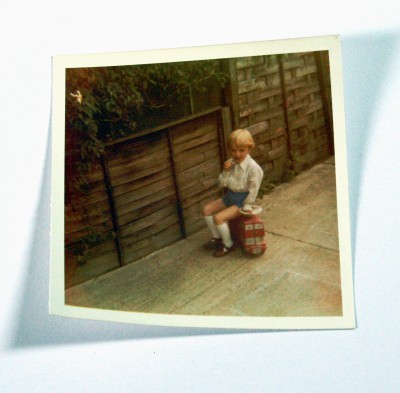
[{"x": 207, "y": 188}]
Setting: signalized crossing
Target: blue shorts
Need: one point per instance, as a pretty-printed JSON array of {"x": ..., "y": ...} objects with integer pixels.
[{"x": 234, "y": 198}]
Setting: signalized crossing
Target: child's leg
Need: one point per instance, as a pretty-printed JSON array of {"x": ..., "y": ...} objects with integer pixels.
[
  {"x": 208, "y": 212},
  {"x": 227, "y": 214},
  {"x": 221, "y": 222},
  {"x": 213, "y": 208}
]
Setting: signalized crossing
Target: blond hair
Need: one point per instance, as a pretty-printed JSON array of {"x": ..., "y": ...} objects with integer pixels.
[{"x": 241, "y": 138}]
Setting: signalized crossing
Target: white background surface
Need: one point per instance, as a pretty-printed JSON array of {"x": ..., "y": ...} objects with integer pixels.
[{"x": 40, "y": 353}]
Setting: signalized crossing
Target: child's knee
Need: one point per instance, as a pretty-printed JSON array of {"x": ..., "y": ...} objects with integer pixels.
[
  {"x": 218, "y": 220},
  {"x": 207, "y": 211}
]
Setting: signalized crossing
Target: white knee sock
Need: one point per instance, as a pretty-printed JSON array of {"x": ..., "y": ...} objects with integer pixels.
[
  {"x": 210, "y": 223},
  {"x": 225, "y": 233}
]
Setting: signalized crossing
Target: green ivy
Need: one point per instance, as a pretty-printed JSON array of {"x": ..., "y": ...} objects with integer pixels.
[{"x": 106, "y": 103}]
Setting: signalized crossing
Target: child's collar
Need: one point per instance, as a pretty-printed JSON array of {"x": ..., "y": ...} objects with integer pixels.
[{"x": 245, "y": 163}]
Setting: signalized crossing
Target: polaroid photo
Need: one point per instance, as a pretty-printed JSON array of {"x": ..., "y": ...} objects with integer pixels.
[{"x": 202, "y": 187}]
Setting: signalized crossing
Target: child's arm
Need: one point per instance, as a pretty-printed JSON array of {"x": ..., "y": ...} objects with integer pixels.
[
  {"x": 224, "y": 176},
  {"x": 255, "y": 178}
]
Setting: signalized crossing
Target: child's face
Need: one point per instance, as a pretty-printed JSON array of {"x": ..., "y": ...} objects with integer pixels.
[{"x": 239, "y": 153}]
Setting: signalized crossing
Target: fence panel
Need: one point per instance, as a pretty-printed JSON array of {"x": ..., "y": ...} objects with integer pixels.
[
  {"x": 197, "y": 155},
  {"x": 261, "y": 111},
  {"x": 88, "y": 233},
  {"x": 284, "y": 101},
  {"x": 145, "y": 196},
  {"x": 306, "y": 118}
]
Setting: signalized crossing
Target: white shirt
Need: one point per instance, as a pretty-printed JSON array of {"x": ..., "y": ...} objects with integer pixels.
[{"x": 243, "y": 177}]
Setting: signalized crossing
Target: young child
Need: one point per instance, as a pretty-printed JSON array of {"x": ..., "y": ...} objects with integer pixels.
[{"x": 242, "y": 177}]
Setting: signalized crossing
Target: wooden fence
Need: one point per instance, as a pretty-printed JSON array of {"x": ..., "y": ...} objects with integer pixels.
[
  {"x": 285, "y": 101},
  {"x": 147, "y": 193}
]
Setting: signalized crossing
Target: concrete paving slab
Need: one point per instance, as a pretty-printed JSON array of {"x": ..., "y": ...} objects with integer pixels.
[
  {"x": 309, "y": 263},
  {"x": 305, "y": 208},
  {"x": 293, "y": 295}
]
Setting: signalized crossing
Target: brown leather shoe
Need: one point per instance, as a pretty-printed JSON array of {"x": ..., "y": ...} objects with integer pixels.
[
  {"x": 223, "y": 250},
  {"x": 213, "y": 244}
]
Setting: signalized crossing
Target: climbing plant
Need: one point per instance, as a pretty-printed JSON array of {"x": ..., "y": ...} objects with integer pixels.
[{"x": 106, "y": 103}]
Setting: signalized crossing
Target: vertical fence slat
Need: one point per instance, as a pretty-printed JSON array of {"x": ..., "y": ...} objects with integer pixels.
[
  {"x": 325, "y": 100},
  {"x": 285, "y": 110},
  {"x": 225, "y": 132},
  {"x": 232, "y": 95},
  {"x": 113, "y": 209},
  {"x": 177, "y": 191}
]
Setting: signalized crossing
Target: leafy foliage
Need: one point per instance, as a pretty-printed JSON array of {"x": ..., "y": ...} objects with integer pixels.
[{"x": 106, "y": 103}]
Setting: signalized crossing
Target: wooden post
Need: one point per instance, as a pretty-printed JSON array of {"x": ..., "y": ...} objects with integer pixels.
[
  {"x": 113, "y": 209},
  {"x": 177, "y": 192},
  {"x": 326, "y": 103},
  {"x": 285, "y": 109},
  {"x": 226, "y": 131},
  {"x": 231, "y": 91},
  {"x": 192, "y": 110}
]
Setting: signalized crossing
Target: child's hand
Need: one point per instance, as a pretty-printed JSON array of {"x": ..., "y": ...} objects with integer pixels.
[
  {"x": 247, "y": 208},
  {"x": 227, "y": 165}
]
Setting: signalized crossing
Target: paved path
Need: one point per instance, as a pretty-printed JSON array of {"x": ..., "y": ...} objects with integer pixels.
[{"x": 298, "y": 275}]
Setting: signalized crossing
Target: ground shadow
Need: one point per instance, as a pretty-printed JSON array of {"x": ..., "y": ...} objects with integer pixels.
[{"x": 366, "y": 59}]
